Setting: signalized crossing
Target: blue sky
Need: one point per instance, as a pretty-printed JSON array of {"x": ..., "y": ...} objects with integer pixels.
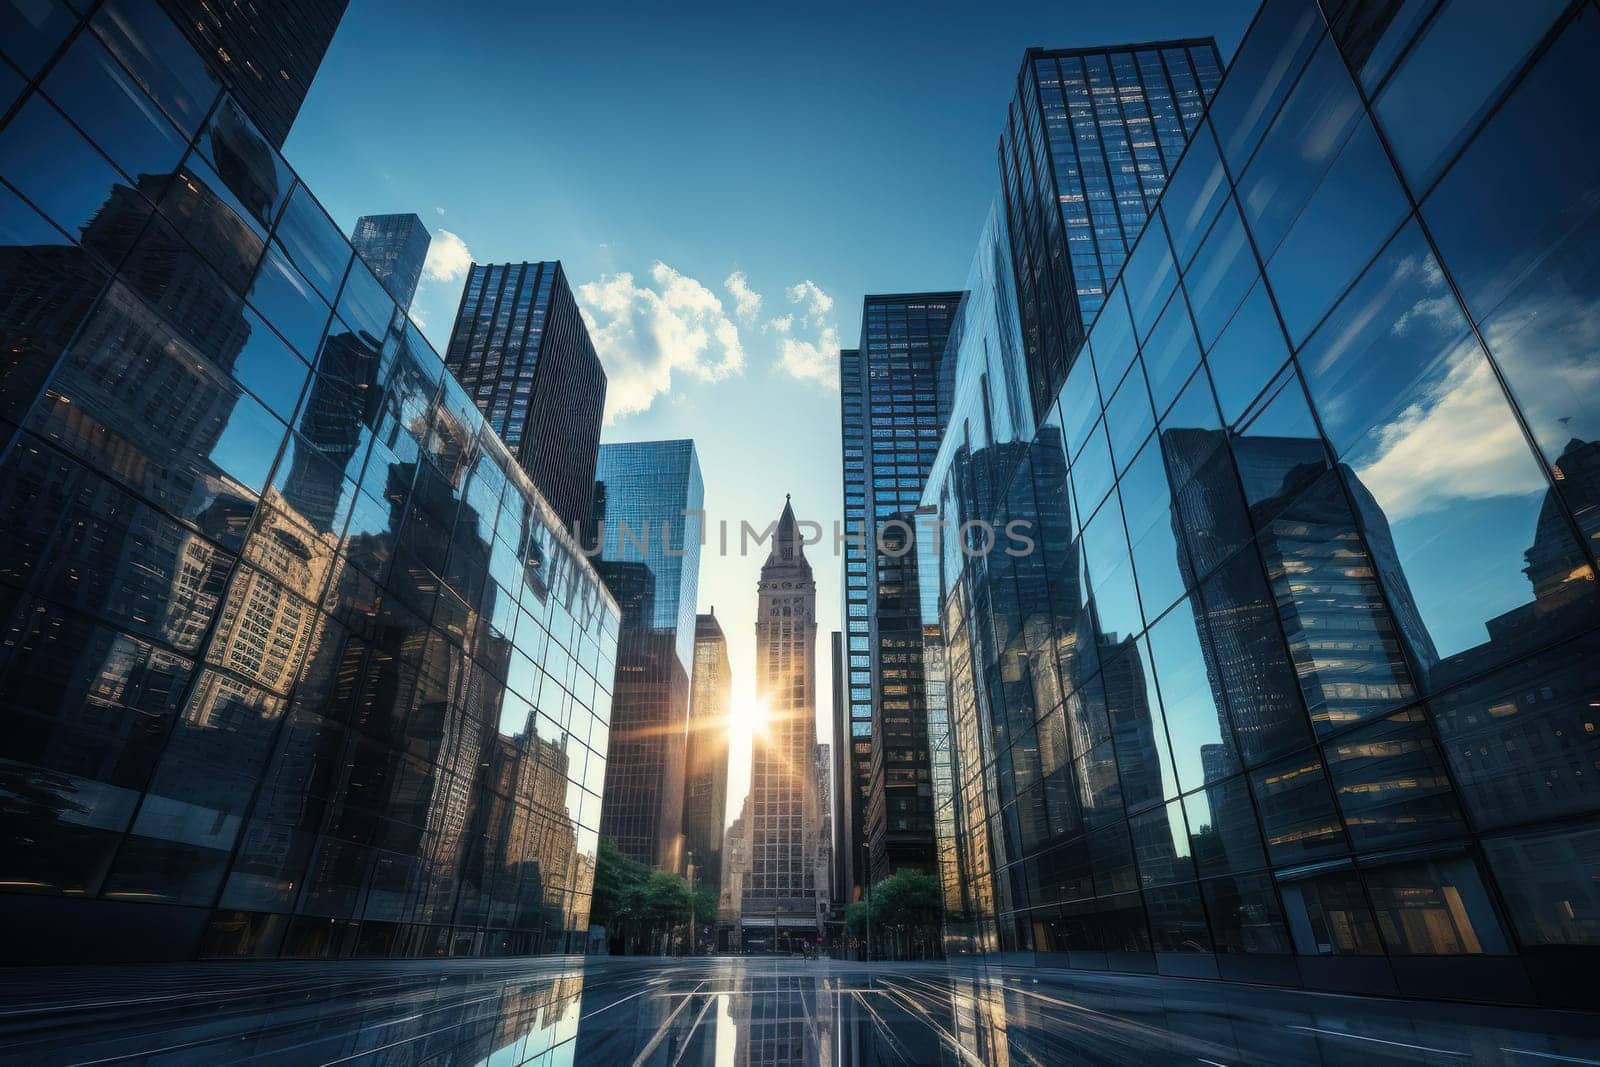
[{"x": 817, "y": 152}]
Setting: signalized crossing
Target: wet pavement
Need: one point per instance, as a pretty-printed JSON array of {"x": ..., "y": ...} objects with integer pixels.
[{"x": 733, "y": 1011}]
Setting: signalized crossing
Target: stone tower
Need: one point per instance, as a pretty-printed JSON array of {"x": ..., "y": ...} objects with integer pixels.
[{"x": 780, "y": 899}]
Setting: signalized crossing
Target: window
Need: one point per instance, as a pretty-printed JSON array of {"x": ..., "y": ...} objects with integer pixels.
[
  {"x": 1328, "y": 914},
  {"x": 1454, "y": 73}
]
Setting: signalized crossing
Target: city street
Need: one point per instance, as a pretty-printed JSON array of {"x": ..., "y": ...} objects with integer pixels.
[{"x": 733, "y": 1011}]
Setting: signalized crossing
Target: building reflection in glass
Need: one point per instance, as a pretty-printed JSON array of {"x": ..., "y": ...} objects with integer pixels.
[
  {"x": 295, "y": 660},
  {"x": 1295, "y": 688}
]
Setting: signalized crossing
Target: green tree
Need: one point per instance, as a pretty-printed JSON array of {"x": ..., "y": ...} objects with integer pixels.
[
  {"x": 614, "y": 876},
  {"x": 907, "y": 910}
]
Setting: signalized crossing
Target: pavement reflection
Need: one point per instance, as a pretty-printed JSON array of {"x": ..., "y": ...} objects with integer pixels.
[{"x": 734, "y": 1011}]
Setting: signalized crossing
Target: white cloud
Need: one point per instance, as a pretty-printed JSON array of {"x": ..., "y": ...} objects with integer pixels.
[
  {"x": 646, "y": 333},
  {"x": 746, "y": 301},
  {"x": 814, "y": 358},
  {"x": 809, "y": 293},
  {"x": 816, "y": 361},
  {"x": 440, "y": 210},
  {"x": 448, "y": 258}
]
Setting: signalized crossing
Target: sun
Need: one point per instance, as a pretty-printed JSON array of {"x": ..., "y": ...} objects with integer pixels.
[{"x": 751, "y": 715}]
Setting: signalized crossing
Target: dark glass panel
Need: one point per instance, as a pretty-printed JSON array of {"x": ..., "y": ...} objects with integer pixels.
[
  {"x": 1144, "y": 763},
  {"x": 31, "y": 32},
  {"x": 1222, "y": 273},
  {"x": 1112, "y": 346},
  {"x": 1245, "y": 916},
  {"x": 1177, "y": 918},
  {"x": 1247, "y": 355},
  {"x": 167, "y": 66},
  {"x": 1434, "y": 907},
  {"x": 1547, "y": 880},
  {"x": 1304, "y": 140},
  {"x": 1297, "y": 810},
  {"x": 1354, "y": 209},
  {"x": 1454, "y": 74},
  {"x": 1111, "y": 852},
  {"x": 246, "y": 162},
  {"x": 269, "y": 369},
  {"x": 313, "y": 243},
  {"x": 1392, "y": 786},
  {"x": 1129, "y": 419},
  {"x": 1080, "y": 403},
  {"x": 1149, "y": 278},
  {"x": 1105, "y": 550},
  {"x": 1092, "y": 473},
  {"x": 1170, "y": 355},
  {"x": 206, "y": 212},
  {"x": 1524, "y": 741},
  {"x": 1160, "y": 564},
  {"x": 1161, "y": 845},
  {"x": 1197, "y": 726},
  {"x": 1373, "y": 33},
  {"x": 132, "y": 399},
  {"x": 1328, "y": 914},
  {"x": 115, "y": 113},
  {"x": 79, "y": 540},
  {"x": 48, "y": 162},
  {"x": 1222, "y": 829},
  {"x": 1266, "y": 65},
  {"x": 49, "y": 286},
  {"x": 1251, "y": 663},
  {"x": 1517, "y": 220},
  {"x": 288, "y": 302},
  {"x": 365, "y": 303},
  {"x": 1193, "y": 195}
]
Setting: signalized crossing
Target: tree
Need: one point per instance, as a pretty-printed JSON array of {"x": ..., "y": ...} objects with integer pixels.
[
  {"x": 640, "y": 907},
  {"x": 907, "y": 910},
  {"x": 614, "y": 876}
]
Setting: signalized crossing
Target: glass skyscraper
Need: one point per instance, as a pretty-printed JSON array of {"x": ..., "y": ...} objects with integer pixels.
[
  {"x": 894, "y": 400},
  {"x": 705, "y": 789},
  {"x": 522, "y": 351},
  {"x": 296, "y": 660},
  {"x": 1091, "y": 135},
  {"x": 647, "y": 528},
  {"x": 395, "y": 247},
  {"x": 266, "y": 52},
  {"x": 1297, "y": 684}
]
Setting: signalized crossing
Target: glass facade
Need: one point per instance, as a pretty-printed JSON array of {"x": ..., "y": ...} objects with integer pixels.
[
  {"x": 1089, "y": 141},
  {"x": 1296, "y": 686},
  {"x": 648, "y": 525},
  {"x": 394, "y": 247},
  {"x": 523, "y": 354},
  {"x": 898, "y": 396},
  {"x": 267, "y": 51},
  {"x": 296, "y": 660},
  {"x": 705, "y": 786}
]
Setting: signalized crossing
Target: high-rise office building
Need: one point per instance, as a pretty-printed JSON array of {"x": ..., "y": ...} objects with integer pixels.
[
  {"x": 1297, "y": 685},
  {"x": 781, "y": 908},
  {"x": 894, "y": 402},
  {"x": 705, "y": 787},
  {"x": 266, "y": 52},
  {"x": 646, "y": 525},
  {"x": 395, "y": 247},
  {"x": 1091, "y": 135},
  {"x": 522, "y": 352},
  {"x": 258, "y": 556},
  {"x": 839, "y": 818}
]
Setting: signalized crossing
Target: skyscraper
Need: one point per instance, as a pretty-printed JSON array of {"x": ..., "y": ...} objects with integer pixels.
[
  {"x": 647, "y": 496},
  {"x": 395, "y": 247},
  {"x": 1091, "y": 135},
  {"x": 1294, "y": 695},
  {"x": 781, "y": 902},
  {"x": 522, "y": 352},
  {"x": 895, "y": 397},
  {"x": 267, "y": 51},
  {"x": 247, "y": 551},
  {"x": 705, "y": 789}
]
